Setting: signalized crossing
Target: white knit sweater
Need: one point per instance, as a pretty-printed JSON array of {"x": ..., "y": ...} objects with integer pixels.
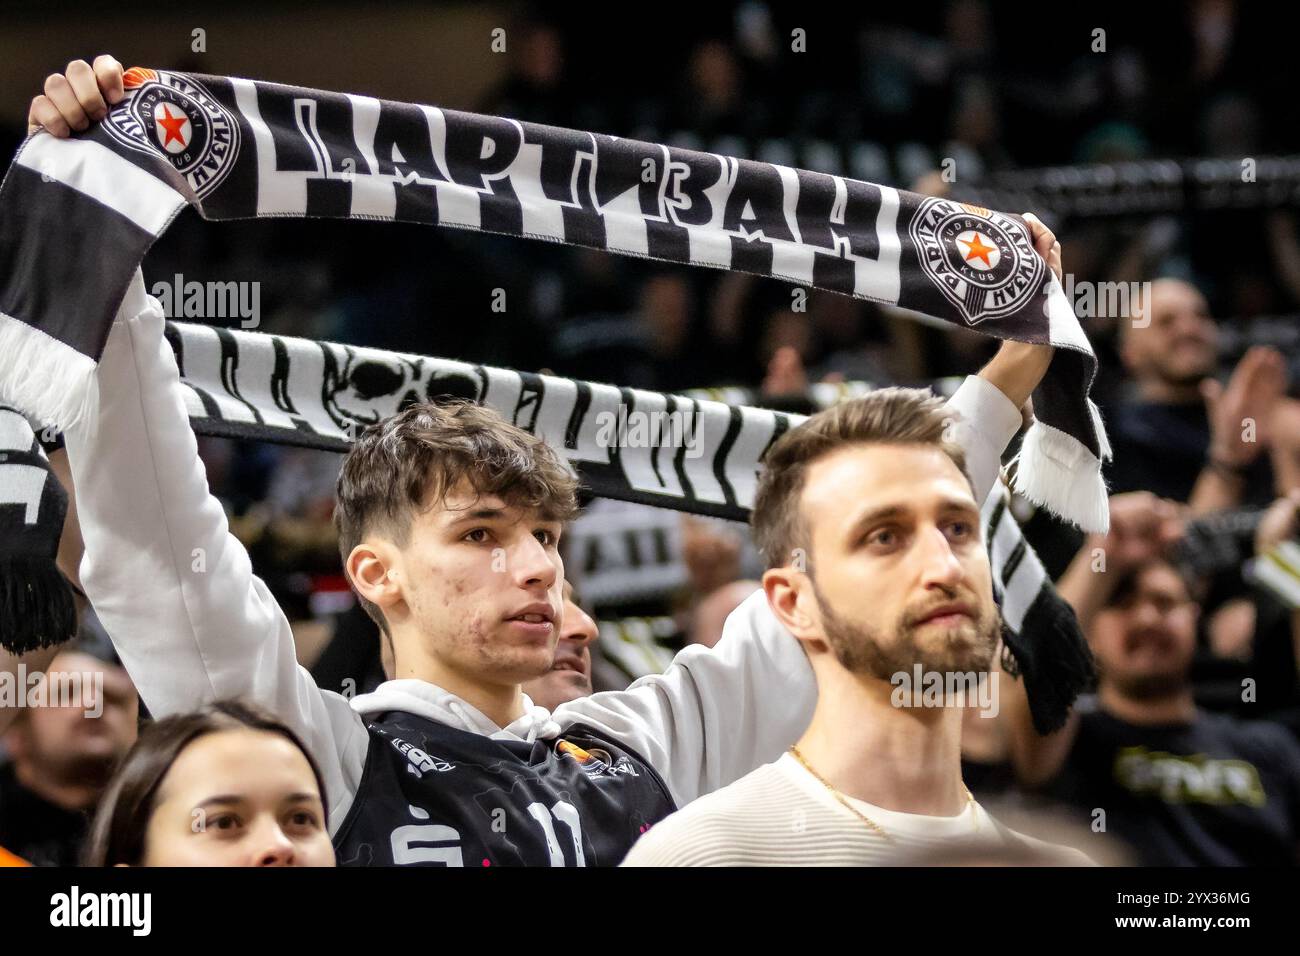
[{"x": 780, "y": 815}]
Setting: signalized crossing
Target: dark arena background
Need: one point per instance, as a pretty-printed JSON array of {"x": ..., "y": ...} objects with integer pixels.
[{"x": 1141, "y": 711}]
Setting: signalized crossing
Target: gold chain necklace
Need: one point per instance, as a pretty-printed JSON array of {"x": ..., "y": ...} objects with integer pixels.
[{"x": 871, "y": 824}]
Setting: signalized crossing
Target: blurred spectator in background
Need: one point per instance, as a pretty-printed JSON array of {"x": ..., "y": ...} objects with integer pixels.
[
  {"x": 1275, "y": 657},
  {"x": 14, "y": 672},
  {"x": 711, "y": 550},
  {"x": 1181, "y": 434},
  {"x": 710, "y": 614},
  {"x": 881, "y": 96},
  {"x": 63, "y": 752},
  {"x": 570, "y": 676},
  {"x": 666, "y": 311},
  {"x": 712, "y": 101},
  {"x": 853, "y": 339},
  {"x": 534, "y": 88},
  {"x": 1182, "y": 786}
]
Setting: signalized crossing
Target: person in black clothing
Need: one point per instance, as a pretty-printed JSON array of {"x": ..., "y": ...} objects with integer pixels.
[
  {"x": 1180, "y": 785},
  {"x": 1180, "y": 434},
  {"x": 62, "y": 753}
]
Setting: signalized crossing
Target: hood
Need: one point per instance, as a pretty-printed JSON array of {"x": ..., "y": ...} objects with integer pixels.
[{"x": 433, "y": 703}]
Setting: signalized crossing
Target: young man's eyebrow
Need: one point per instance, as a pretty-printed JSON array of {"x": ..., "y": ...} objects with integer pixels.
[
  {"x": 502, "y": 513},
  {"x": 479, "y": 514}
]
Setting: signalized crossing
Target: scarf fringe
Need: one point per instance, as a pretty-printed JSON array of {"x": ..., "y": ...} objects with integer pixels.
[
  {"x": 36, "y": 604},
  {"x": 48, "y": 381},
  {"x": 1052, "y": 657},
  {"x": 1058, "y": 472}
]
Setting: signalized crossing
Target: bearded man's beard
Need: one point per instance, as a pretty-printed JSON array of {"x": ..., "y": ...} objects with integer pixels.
[
  {"x": 1184, "y": 378},
  {"x": 1161, "y": 685},
  {"x": 967, "y": 648},
  {"x": 87, "y": 770}
]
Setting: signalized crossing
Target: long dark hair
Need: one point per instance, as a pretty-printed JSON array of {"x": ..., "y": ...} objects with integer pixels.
[{"x": 117, "y": 835}]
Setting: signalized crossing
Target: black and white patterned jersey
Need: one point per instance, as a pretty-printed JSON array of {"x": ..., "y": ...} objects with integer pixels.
[{"x": 434, "y": 795}]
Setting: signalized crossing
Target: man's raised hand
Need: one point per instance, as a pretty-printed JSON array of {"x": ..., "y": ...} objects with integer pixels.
[
  {"x": 77, "y": 97},
  {"x": 1018, "y": 367},
  {"x": 1045, "y": 245},
  {"x": 1142, "y": 527},
  {"x": 1255, "y": 388}
]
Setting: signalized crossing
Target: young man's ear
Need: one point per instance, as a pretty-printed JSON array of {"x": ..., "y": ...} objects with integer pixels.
[
  {"x": 372, "y": 568},
  {"x": 790, "y": 595}
]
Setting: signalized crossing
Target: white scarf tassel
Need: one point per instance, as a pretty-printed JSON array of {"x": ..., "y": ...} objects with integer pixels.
[{"x": 1058, "y": 472}]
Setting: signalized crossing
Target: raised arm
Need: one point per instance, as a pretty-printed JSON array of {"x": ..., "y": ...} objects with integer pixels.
[
  {"x": 174, "y": 589},
  {"x": 1141, "y": 527},
  {"x": 718, "y": 713},
  {"x": 1240, "y": 414}
]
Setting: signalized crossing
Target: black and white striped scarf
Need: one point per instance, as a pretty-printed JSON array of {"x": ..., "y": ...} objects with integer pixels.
[
  {"x": 78, "y": 215},
  {"x": 36, "y": 604},
  {"x": 317, "y": 394}
]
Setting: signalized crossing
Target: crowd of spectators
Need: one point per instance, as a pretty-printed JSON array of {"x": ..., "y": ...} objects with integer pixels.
[{"x": 1190, "y": 739}]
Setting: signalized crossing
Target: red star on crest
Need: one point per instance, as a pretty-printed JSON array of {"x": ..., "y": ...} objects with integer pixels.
[
  {"x": 975, "y": 249},
  {"x": 172, "y": 124}
]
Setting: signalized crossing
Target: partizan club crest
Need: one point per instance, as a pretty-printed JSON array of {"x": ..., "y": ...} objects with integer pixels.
[
  {"x": 982, "y": 261},
  {"x": 171, "y": 115}
]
